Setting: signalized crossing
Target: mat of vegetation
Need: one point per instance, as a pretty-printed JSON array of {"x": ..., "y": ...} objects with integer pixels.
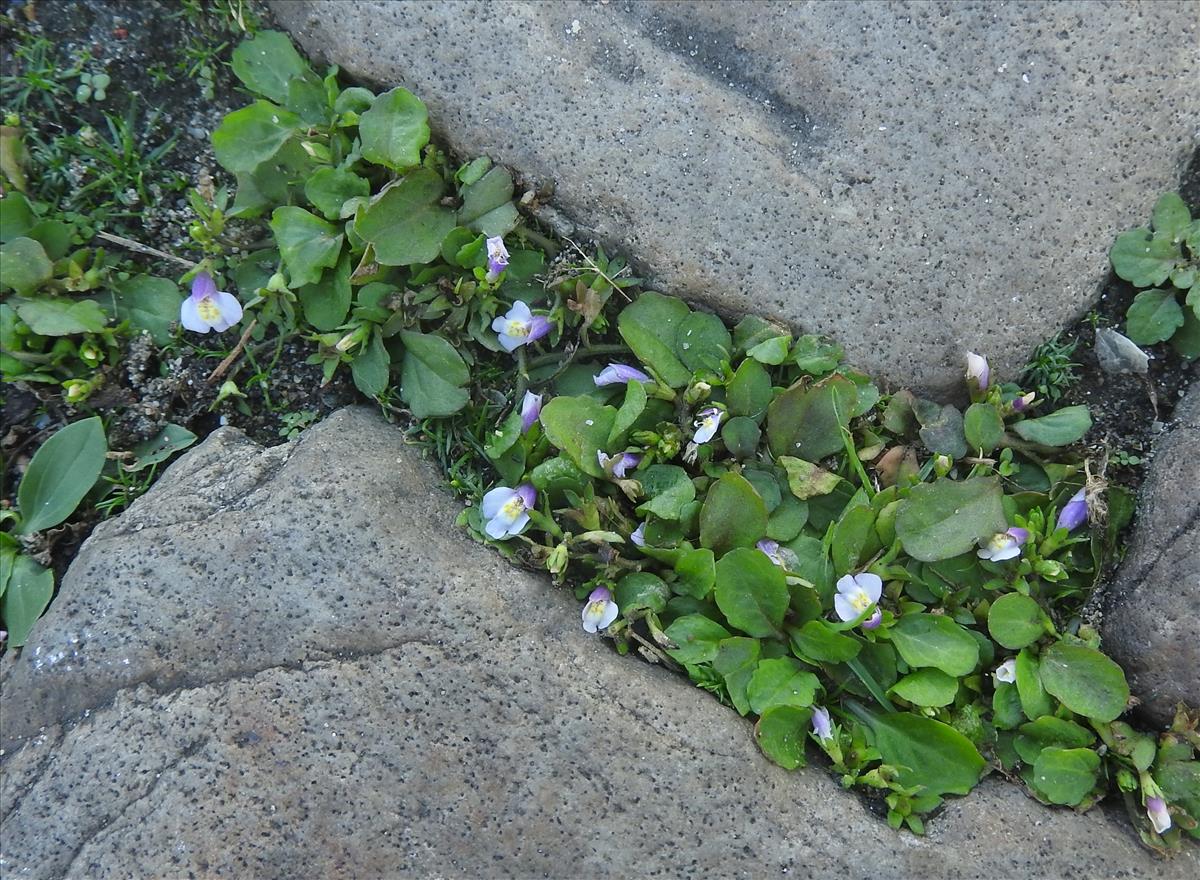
[{"x": 889, "y": 581}]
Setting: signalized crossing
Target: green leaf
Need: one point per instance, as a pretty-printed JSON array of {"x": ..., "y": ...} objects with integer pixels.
[
  {"x": 307, "y": 244},
  {"x": 631, "y": 409},
  {"x": 697, "y": 573},
  {"x": 773, "y": 351},
  {"x": 818, "y": 641},
  {"x": 741, "y": 437},
  {"x": 171, "y": 439},
  {"x": 854, "y": 538},
  {"x": 733, "y": 515},
  {"x": 749, "y": 392},
  {"x": 1153, "y": 316},
  {"x": 703, "y": 343},
  {"x": 330, "y": 188},
  {"x": 751, "y": 592},
  {"x": 935, "y": 640},
  {"x": 24, "y": 266},
  {"x": 327, "y": 302},
  {"x": 1143, "y": 259},
  {"x": 61, "y": 317},
  {"x": 807, "y": 422},
  {"x": 781, "y": 682},
  {"x": 406, "y": 224},
  {"x": 1015, "y": 621},
  {"x": 433, "y": 376},
  {"x": 371, "y": 369},
  {"x": 667, "y": 488},
  {"x": 1034, "y": 702},
  {"x": 942, "y": 430},
  {"x": 787, "y": 520},
  {"x": 1085, "y": 681},
  {"x": 249, "y": 137},
  {"x": 1171, "y": 216},
  {"x": 267, "y": 63},
  {"x": 781, "y": 733},
  {"x": 806, "y": 480},
  {"x": 1061, "y": 428},
  {"x": 1065, "y": 776},
  {"x": 1050, "y": 731},
  {"x": 927, "y": 687},
  {"x": 1186, "y": 340},
  {"x": 641, "y": 591},
  {"x": 1006, "y": 706},
  {"x": 580, "y": 426},
  {"x": 649, "y": 325},
  {"x": 697, "y": 638},
  {"x": 1180, "y": 782},
  {"x": 983, "y": 426},
  {"x": 148, "y": 303},
  {"x": 30, "y": 587},
  {"x": 947, "y": 518},
  {"x": 61, "y": 472},
  {"x": 394, "y": 131},
  {"x": 814, "y": 356},
  {"x": 929, "y": 754},
  {"x": 736, "y": 660},
  {"x": 558, "y": 474},
  {"x": 487, "y": 204},
  {"x": 16, "y": 217}
]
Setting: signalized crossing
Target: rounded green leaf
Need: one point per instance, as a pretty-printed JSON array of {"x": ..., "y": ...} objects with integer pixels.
[
  {"x": 330, "y": 188},
  {"x": 983, "y": 426},
  {"x": 649, "y": 326},
  {"x": 787, "y": 519},
  {"x": 927, "y": 753},
  {"x": 579, "y": 426},
  {"x": 781, "y": 682},
  {"x": 1085, "y": 681},
  {"x": 63, "y": 317},
  {"x": 937, "y": 641},
  {"x": 751, "y": 592},
  {"x": 696, "y": 637},
  {"x": 1153, "y": 317},
  {"x": 697, "y": 573},
  {"x": 30, "y": 587},
  {"x": 148, "y": 303},
  {"x": 807, "y": 422},
  {"x": 818, "y": 641},
  {"x": 1034, "y": 702},
  {"x": 733, "y": 515},
  {"x": 1143, "y": 259},
  {"x": 1171, "y": 216},
  {"x": 1015, "y": 621},
  {"x": 24, "y": 266},
  {"x": 1061, "y": 428},
  {"x": 666, "y": 487},
  {"x": 433, "y": 375},
  {"x": 394, "y": 130},
  {"x": 736, "y": 660},
  {"x": 406, "y": 224},
  {"x": 927, "y": 687},
  {"x": 487, "y": 204},
  {"x": 741, "y": 436},
  {"x": 781, "y": 733},
  {"x": 267, "y": 63},
  {"x": 248, "y": 137},
  {"x": 307, "y": 244},
  {"x": 1065, "y": 776},
  {"x": 641, "y": 591},
  {"x": 60, "y": 474},
  {"x": 1050, "y": 731},
  {"x": 947, "y": 518}
]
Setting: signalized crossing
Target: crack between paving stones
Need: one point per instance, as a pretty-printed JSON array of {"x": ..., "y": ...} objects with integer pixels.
[{"x": 188, "y": 751}]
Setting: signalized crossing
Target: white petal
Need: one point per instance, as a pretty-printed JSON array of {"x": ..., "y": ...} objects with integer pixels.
[
  {"x": 846, "y": 584},
  {"x": 706, "y": 431},
  {"x": 589, "y": 621},
  {"x": 841, "y": 604},
  {"x": 497, "y": 528},
  {"x": 519, "y": 312},
  {"x": 496, "y": 499},
  {"x": 871, "y": 585},
  {"x": 189, "y": 317},
  {"x": 511, "y": 343},
  {"x": 1007, "y": 552},
  {"x": 517, "y": 525},
  {"x": 230, "y": 308},
  {"x": 610, "y": 614}
]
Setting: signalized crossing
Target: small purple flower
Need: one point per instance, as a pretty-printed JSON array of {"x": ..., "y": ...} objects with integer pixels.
[
  {"x": 874, "y": 620},
  {"x": 1006, "y": 672},
  {"x": 638, "y": 536},
  {"x": 505, "y": 510},
  {"x": 599, "y": 611},
  {"x": 619, "y": 374},
  {"x": 1156, "y": 810},
  {"x": 531, "y": 409},
  {"x": 707, "y": 422},
  {"x": 520, "y": 327},
  {"x": 497, "y": 257},
  {"x": 821, "y": 724},
  {"x": 1003, "y": 545},
  {"x": 977, "y": 370},
  {"x": 208, "y": 308},
  {"x": 1074, "y": 514},
  {"x": 855, "y": 594},
  {"x": 619, "y": 464}
]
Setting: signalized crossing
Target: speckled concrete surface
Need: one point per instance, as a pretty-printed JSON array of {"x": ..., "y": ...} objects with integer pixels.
[
  {"x": 1151, "y": 624},
  {"x": 289, "y": 663},
  {"x": 913, "y": 179}
]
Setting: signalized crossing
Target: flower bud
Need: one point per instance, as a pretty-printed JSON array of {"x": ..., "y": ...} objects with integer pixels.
[
  {"x": 697, "y": 392},
  {"x": 942, "y": 464},
  {"x": 90, "y": 354},
  {"x": 77, "y": 390},
  {"x": 353, "y": 338},
  {"x": 556, "y": 562},
  {"x": 277, "y": 283}
]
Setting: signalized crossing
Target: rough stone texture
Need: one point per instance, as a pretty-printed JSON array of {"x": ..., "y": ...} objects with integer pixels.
[
  {"x": 1151, "y": 626},
  {"x": 913, "y": 179},
  {"x": 287, "y": 662}
]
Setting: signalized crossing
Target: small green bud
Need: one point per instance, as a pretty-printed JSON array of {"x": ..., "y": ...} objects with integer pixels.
[
  {"x": 228, "y": 388},
  {"x": 697, "y": 392},
  {"x": 277, "y": 283},
  {"x": 556, "y": 562},
  {"x": 77, "y": 390},
  {"x": 1126, "y": 780},
  {"x": 90, "y": 353},
  {"x": 942, "y": 464}
]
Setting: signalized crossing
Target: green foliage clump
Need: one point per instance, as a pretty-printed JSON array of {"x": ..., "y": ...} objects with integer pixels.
[{"x": 1165, "y": 258}]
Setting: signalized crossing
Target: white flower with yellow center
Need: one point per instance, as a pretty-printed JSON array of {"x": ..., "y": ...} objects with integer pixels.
[
  {"x": 208, "y": 308},
  {"x": 506, "y": 509},
  {"x": 856, "y": 593},
  {"x": 600, "y": 610}
]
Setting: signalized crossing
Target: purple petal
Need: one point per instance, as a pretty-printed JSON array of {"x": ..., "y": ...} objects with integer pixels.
[
  {"x": 874, "y": 620},
  {"x": 203, "y": 286},
  {"x": 638, "y": 537},
  {"x": 821, "y": 724},
  {"x": 1019, "y": 535},
  {"x": 768, "y": 546},
  {"x": 625, "y": 461},
  {"x": 539, "y": 326},
  {"x": 528, "y": 494},
  {"x": 1074, "y": 513},
  {"x": 531, "y": 409},
  {"x": 600, "y": 594},
  {"x": 619, "y": 374}
]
